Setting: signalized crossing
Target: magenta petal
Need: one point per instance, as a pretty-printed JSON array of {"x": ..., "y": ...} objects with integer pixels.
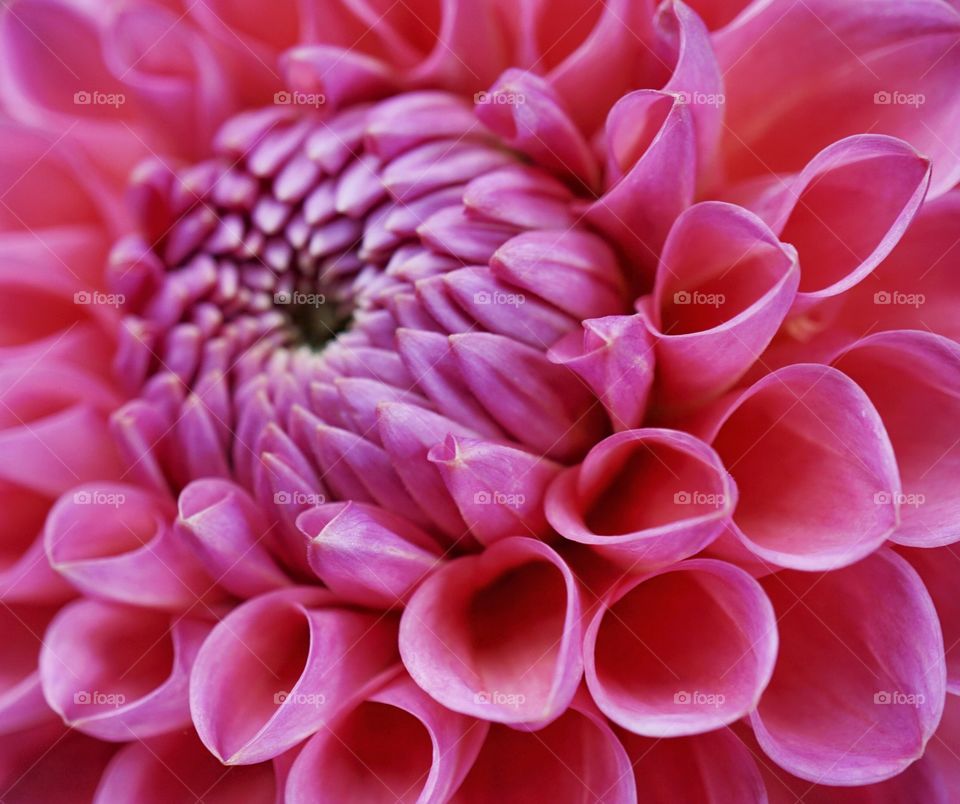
[
  {"x": 367, "y": 555},
  {"x": 651, "y": 173},
  {"x": 397, "y": 746},
  {"x": 838, "y": 503},
  {"x": 530, "y": 117},
  {"x": 176, "y": 768},
  {"x": 521, "y": 196},
  {"x": 913, "y": 379},
  {"x": 889, "y": 68},
  {"x": 499, "y": 489},
  {"x": 845, "y": 211},
  {"x": 724, "y": 285},
  {"x": 117, "y": 541},
  {"x": 497, "y": 635},
  {"x": 851, "y": 701},
  {"x": 229, "y": 533},
  {"x": 644, "y": 497},
  {"x": 937, "y": 568},
  {"x": 713, "y": 767},
  {"x": 650, "y": 681},
  {"x": 119, "y": 672},
  {"x": 614, "y": 356},
  {"x": 299, "y": 660},
  {"x": 576, "y": 758},
  {"x": 540, "y": 404}
]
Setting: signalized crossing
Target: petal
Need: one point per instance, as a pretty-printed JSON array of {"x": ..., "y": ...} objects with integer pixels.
[
  {"x": 851, "y": 701},
  {"x": 498, "y": 489},
  {"x": 913, "y": 379},
  {"x": 116, "y": 541},
  {"x": 367, "y": 555},
  {"x": 845, "y": 211},
  {"x": 644, "y": 497},
  {"x": 877, "y": 66},
  {"x": 497, "y": 635},
  {"x": 398, "y": 745},
  {"x": 792, "y": 441},
  {"x": 681, "y": 651},
  {"x": 176, "y": 768},
  {"x": 118, "y": 672},
  {"x": 22, "y": 704},
  {"x": 577, "y": 758},
  {"x": 299, "y": 660},
  {"x": 724, "y": 285}
]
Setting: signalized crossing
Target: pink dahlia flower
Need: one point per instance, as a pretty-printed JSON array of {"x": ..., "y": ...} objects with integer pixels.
[{"x": 491, "y": 401}]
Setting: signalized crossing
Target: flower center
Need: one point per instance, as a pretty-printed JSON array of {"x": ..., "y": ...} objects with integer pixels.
[{"x": 317, "y": 268}]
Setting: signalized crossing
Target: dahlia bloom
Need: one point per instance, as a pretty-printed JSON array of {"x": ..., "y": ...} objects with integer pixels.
[{"x": 438, "y": 401}]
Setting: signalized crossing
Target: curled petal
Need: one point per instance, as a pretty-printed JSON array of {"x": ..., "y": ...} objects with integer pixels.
[
  {"x": 367, "y": 555},
  {"x": 845, "y": 211},
  {"x": 836, "y": 500},
  {"x": 576, "y": 758},
  {"x": 530, "y": 116},
  {"x": 497, "y": 635},
  {"x": 913, "y": 380},
  {"x": 644, "y": 497},
  {"x": 498, "y": 489},
  {"x": 298, "y": 658},
  {"x": 614, "y": 356},
  {"x": 651, "y": 174},
  {"x": 399, "y": 744},
  {"x": 118, "y": 542},
  {"x": 228, "y": 530},
  {"x": 851, "y": 701},
  {"x": 724, "y": 286},
  {"x": 650, "y": 682},
  {"x": 118, "y": 672},
  {"x": 178, "y": 768}
]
